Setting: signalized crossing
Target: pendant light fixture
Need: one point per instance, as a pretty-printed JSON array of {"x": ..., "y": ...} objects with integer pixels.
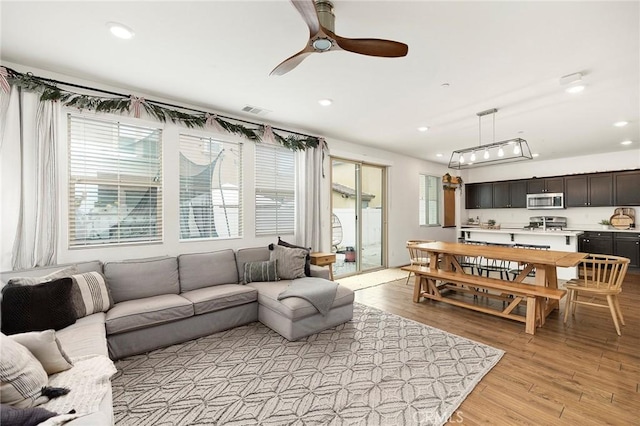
[{"x": 509, "y": 150}]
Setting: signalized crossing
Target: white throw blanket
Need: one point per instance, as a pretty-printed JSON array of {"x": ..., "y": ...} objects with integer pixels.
[{"x": 88, "y": 380}]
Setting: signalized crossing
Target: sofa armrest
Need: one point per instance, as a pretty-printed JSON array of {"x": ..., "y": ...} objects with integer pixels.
[{"x": 320, "y": 272}]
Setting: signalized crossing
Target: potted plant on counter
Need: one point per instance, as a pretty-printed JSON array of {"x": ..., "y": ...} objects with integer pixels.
[{"x": 605, "y": 223}]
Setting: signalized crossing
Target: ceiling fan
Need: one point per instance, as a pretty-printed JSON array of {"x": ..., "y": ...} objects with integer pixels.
[{"x": 320, "y": 19}]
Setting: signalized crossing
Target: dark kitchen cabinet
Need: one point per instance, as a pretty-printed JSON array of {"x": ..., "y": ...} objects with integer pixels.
[
  {"x": 479, "y": 196},
  {"x": 595, "y": 190},
  {"x": 627, "y": 245},
  {"x": 596, "y": 242},
  {"x": 627, "y": 188},
  {"x": 540, "y": 185},
  {"x": 510, "y": 194}
]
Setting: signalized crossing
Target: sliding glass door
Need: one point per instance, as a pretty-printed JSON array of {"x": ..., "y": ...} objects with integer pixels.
[{"x": 358, "y": 208}]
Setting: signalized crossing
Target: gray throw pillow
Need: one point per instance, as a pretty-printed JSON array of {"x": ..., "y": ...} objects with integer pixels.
[
  {"x": 290, "y": 262},
  {"x": 260, "y": 271}
]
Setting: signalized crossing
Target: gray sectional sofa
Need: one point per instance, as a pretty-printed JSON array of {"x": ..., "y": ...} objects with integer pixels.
[{"x": 168, "y": 300}]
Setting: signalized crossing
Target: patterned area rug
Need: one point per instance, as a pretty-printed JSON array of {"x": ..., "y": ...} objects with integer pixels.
[{"x": 378, "y": 369}]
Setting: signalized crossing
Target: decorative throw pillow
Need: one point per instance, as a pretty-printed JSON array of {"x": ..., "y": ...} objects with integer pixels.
[
  {"x": 14, "y": 416},
  {"x": 260, "y": 271},
  {"x": 90, "y": 294},
  {"x": 46, "y": 348},
  {"x": 307, "y": 262},
  {"x": 21, "y": 375},
  {"x": 37, "y": 307},
  {"x": 290, "y": 262},
  {"x": 60, "y": 273}
]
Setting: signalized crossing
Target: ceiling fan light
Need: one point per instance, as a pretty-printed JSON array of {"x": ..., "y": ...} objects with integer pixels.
[{"x": 322, "y": 44}]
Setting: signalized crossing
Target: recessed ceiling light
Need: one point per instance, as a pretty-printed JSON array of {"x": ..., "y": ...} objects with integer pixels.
[
  {"x": 575, "y": 89},
  {"x": 438, "y": 155},
  {"x": 423, "y": 129},
  {"x": 120, "y": 30},
  {"x": 325, "y": 102},
  {"x": 626, "y": 142},
  {"x": 535, "y": 155},
  {"x": 620, "y": 123},
  {"x": 445, "y": 85}
]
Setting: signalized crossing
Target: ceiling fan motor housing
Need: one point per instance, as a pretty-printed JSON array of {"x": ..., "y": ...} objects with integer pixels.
[{"x": 324, "y": 9}]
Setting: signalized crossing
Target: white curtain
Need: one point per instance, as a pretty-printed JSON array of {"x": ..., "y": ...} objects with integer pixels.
[
  {"x": 310, "y": 175},
  {"x": 28, "y": 180}
]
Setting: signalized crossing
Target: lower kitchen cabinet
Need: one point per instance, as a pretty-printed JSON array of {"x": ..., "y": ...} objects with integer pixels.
[{"x": 625, "y": 244}]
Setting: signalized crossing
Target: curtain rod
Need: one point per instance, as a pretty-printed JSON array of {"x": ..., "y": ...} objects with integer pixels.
[{"x": 108, "y": 92}]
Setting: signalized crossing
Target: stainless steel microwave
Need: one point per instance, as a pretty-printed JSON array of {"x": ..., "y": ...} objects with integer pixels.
[{"x": 547, "y": 200}]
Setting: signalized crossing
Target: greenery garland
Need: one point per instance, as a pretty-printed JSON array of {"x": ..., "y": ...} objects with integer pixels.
[{"x": 124, "y": 105}]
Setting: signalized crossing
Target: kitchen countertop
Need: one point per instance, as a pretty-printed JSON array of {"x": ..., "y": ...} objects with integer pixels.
[
  {"x": 566, "y": 231},
  {"x": 563, "y": 233}
]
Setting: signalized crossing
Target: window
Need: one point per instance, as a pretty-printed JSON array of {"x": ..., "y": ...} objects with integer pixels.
[
  {"x": 210, "y": 188},
  {"x": 115, "y": 182},
  {"x": 429, "y": 200},
  {"x": 275, "y": 190}
]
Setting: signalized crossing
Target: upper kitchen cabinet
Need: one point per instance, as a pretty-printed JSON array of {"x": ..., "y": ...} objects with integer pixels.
[
  {"x": 540, "y": 185},
  {"x": 627, "y": 188},
  {"x": 594, "y": 190},
  {"x": 479, "y": 195},
  {"x": 510, "y": 194}
]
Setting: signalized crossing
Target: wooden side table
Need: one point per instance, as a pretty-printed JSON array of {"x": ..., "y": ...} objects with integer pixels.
[{"x": 324, "y": 259}]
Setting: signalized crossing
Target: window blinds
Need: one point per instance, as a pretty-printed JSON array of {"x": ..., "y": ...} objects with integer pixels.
[
  {"x": 210, "y": 188},
  {"x": 115, "y": 182},
  {"x": 275, "y": 190}
]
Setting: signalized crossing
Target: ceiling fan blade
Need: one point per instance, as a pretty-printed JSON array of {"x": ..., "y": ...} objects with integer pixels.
[
  {"x": 373, "y": 46},
  {"x": 291, "y": 62},
  {"x": 307, "y": 9}
]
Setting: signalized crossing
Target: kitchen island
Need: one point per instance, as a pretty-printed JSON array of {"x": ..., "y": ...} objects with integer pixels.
[{"x": 560, "y": 240}]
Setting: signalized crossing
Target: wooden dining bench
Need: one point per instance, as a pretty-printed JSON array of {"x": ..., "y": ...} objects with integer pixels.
[{"x": 434, "y": 284}]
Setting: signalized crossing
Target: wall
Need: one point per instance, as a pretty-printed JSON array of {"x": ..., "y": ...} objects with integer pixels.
[
  {"x": 402, "y": 196},
  {"x": 577, "y": 217},
  {"x": 402, "y": 193}
]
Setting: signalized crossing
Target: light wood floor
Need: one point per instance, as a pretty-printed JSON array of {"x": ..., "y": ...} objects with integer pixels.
[{"x": 579, "y": 374}]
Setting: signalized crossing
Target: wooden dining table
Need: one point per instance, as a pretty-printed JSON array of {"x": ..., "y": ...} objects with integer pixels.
[{"x": 445, "y": 256}]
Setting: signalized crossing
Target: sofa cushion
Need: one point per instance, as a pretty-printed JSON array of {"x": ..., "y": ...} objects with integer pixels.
[
  {"x": 37, "y": 307},
  {"x": 201, "y": 270},
  {"x": 90, "y": 294},
  {"x": 86, "y": 337},
  {"x": 146, "y": 312},
  {"x": 290, "y": 261},
  {"x": 307, "y": 263},
  {"x": 253, "y": 254},
  {"x": 219, "y": 297},
  {"x": 260, "y": 271},
  {"x": 52, "y": 276},
  {"x": 141, "y": 278},
  {"x": 21, "y": 375},
  {"x": 46, "y": 348},
  {"x": 294, "y": 307}
]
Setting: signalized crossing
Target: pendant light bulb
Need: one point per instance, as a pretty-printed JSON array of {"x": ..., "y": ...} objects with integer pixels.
[
  {"x": 516, "y": 149},
  {"x": 473, "y": 156},
  {"x": 461, "y": 159},
  {"x": 500, "y": 152},
  {"x": 486, "y": 154}
]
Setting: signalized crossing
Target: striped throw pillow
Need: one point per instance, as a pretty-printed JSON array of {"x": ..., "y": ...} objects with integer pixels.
[
  {"x": 90, "y": 294},
  {"x": 21, "y": 375},
  {"x": 260, "y": 271},
  {"x": 290, "y": 262}
]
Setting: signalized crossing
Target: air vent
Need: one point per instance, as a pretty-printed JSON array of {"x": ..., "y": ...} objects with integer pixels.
[{"x": 255, "y": 110}]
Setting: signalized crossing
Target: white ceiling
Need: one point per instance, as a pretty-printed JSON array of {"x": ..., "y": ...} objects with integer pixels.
[{"x": 508, "y": 55}]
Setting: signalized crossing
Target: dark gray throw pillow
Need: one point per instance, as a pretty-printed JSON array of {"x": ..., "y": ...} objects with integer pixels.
[
  {"x": 307, "y": 261},
  {"x": 37, "y": 307},
  {"x": 14, "y": 416}
]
